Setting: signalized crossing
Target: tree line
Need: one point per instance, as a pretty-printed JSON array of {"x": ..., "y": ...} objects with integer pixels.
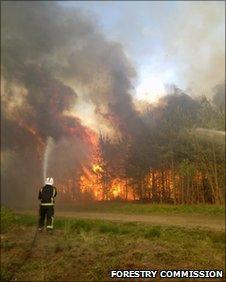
[{"x": 176, "y": 156}]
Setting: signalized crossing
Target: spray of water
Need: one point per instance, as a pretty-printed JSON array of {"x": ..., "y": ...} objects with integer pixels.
[
  {"x": 216, "y": 136},
  {"x": 49, "y": 147},
  {"x": 211, "y": 131}
]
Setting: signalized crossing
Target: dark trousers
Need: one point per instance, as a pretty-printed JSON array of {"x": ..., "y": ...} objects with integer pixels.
[{"x": 48, "y": 213}]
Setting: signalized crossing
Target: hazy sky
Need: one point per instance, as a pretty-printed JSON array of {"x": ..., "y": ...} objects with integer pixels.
[{"x": 167, "y": 41}]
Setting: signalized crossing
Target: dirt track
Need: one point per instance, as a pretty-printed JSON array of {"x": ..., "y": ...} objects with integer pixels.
[{"x": 189, "y": 221}]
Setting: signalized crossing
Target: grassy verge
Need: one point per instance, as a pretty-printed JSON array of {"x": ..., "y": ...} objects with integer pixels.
[
  {"x": 145, "y": 208},
  {"x": 85, "y": 250}
]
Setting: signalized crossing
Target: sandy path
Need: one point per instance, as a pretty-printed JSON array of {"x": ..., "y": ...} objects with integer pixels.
[{"x": 189, "y": 221}]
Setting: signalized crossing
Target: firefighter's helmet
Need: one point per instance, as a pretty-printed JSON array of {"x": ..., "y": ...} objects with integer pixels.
[{"x": 49, "y": 181}]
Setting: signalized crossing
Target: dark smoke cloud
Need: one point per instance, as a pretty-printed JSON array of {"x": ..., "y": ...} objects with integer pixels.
[
  {"x": 68, "y": 46},
  {"x": 48, "y": 52}
]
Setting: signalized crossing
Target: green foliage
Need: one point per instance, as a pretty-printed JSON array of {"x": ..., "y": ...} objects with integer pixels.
[
  {"x": 153, "y": 232},
  {"x": 27, "y": 220},
  {"x": 4, "y": 275},
  {"x": 8, "y": 218},
  {"x": 81, "y": 224},
  {"x": 108, "y": 228},
  {"x": 148, "y": 208}
]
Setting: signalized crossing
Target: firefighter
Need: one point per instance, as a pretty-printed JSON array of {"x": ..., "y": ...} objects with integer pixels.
[{"x": 46, "y": 197}]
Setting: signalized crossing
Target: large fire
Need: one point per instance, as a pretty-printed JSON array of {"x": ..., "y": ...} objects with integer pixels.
[{"x": 94, "y": 181}]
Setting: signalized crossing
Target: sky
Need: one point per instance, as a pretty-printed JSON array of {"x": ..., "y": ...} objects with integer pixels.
[{"x": 180, "y": 42}]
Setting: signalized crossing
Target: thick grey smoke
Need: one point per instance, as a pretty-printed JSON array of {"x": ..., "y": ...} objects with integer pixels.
[
  {"x": 44, "y": 42},
  {"x": 50, "y": 53}
]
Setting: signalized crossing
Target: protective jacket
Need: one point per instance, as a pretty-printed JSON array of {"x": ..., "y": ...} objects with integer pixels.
[{"x": 47, "y": 195}]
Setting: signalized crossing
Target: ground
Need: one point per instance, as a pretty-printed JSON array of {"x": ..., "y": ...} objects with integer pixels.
[
  {"x": 204, "y": 221},
  {"x": 86, "y": 249}
]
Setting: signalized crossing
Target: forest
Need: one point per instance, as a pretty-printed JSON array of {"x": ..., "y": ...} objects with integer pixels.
[{"x": 176, "y": 155}]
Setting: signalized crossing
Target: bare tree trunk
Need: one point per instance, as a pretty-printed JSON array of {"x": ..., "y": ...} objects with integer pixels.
[{"x": 126, "y": 189}]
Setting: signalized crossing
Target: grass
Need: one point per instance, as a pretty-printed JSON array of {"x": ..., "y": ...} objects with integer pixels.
[
  {"x": 9, "y": 220},
  {"x": 87, "y": 249},
  {"x": 145, "y": 208}
]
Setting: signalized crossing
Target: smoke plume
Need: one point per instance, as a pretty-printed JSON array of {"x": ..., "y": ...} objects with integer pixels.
[{"x": 51, "y": 57}]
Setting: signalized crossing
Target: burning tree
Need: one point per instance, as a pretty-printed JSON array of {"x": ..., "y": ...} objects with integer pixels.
[{"x": 91, "y": 182}]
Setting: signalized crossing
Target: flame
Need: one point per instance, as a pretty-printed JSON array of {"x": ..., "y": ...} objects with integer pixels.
[
  {"x": 97, "y": 168},
  {"x": 92, "y": 181},
  {"x": 116, "y": 191}
]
